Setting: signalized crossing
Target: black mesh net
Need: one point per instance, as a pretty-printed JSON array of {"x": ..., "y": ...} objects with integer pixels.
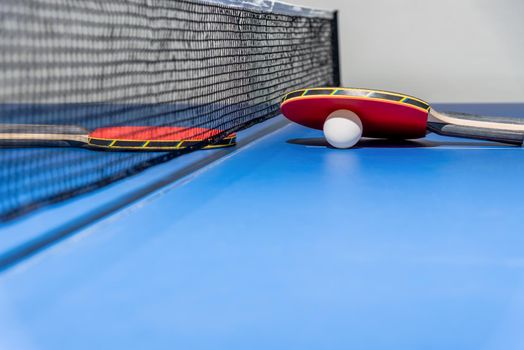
[{"x": 99, "y": 63}]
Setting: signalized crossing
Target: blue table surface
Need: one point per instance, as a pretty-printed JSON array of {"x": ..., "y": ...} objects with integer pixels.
[{"x": 289, "y": 244}]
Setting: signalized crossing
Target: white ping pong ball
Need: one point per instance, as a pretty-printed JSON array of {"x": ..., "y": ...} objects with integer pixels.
[{"x": 342, "y": 129}]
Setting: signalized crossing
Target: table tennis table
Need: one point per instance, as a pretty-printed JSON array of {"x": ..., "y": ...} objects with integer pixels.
[{"x": 282, "y": 243}]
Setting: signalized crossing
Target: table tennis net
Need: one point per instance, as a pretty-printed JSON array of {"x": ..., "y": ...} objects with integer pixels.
[{"x": 96, "y": 63}]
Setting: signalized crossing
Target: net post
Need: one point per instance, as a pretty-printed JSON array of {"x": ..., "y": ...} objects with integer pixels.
[{"x": 335, "y": 50}]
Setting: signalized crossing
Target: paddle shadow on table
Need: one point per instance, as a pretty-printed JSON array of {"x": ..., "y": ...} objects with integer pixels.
[{"x": 387, "y": 143}]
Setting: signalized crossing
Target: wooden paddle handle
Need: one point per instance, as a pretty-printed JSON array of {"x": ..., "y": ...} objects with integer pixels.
[
  {"x": 42, "y": 129},
  {"x": 504, "y": 136},
  {"x": 12, "y": 135},
  {"x": 499, "y": 129}
]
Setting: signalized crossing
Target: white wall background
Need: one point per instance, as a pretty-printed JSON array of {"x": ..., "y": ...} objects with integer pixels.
[{"x": 441, "y": 51}]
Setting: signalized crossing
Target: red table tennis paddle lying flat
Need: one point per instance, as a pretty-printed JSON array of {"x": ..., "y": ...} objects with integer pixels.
[
  {"x": 385, "y": 114},
  {"x": 131, "y": 138}
]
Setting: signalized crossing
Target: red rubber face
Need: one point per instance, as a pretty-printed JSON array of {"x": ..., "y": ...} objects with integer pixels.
[{"x": 383, "y": 114}]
